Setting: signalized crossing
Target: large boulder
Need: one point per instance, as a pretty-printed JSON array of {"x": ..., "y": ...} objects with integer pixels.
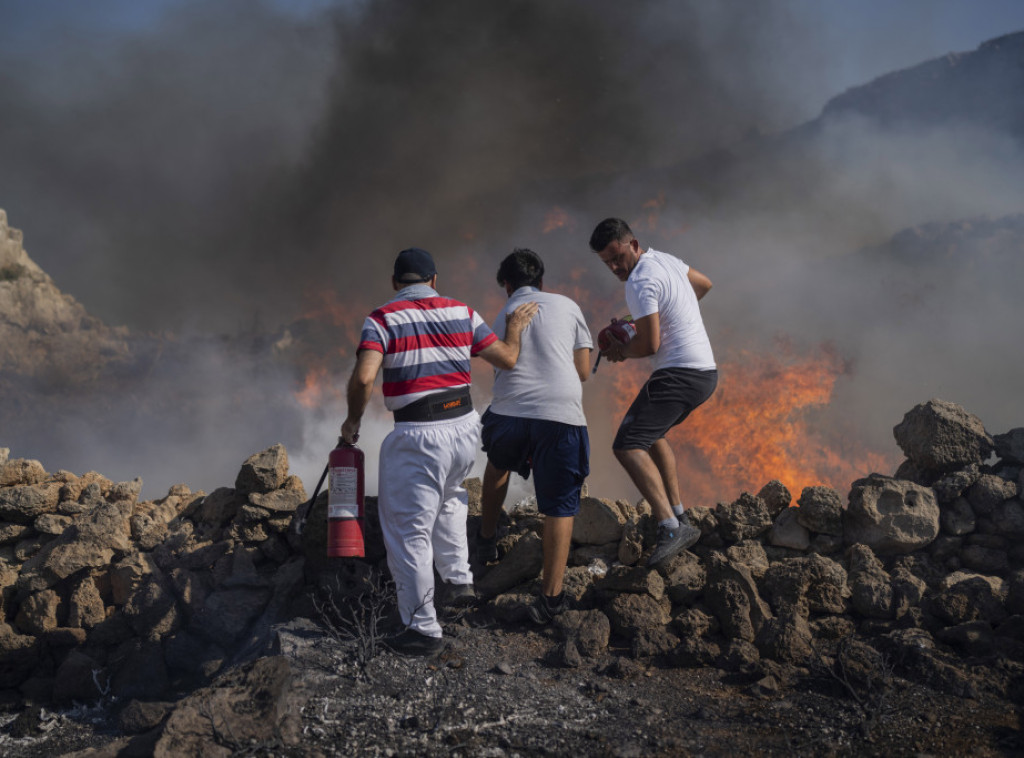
[
  {"x": 821, "y": 510},
  {"x": 871, "y": 592},
  {"x": 23, "y": 504},
  {"x": 263, "y": 472},
  {"x": 776, "y": 497},
  {"x": 818, "y": 581},
  {"x": 788, "y": 533},
  {"x": 733, "y": 596},
  {"x": 989, "y": 492},
  {"x": 890, "y": 516},
  {"x": 90, "y": 542},
  {"x": 1010, "y": 446},
  {"x": 636, "y": 580},
  {"x": 685, "y": 578},
  {"x": 599, "y": 522},
  {"x": 745, "y": 518},
  {"x": 258, "y": 704},
  {"x": 629, "y": 613},
  {"x": 587, "y": 630},
  {"x": 20, "y": 471},
  {"x": 966, "y": 597},
  {"x": 787, "y": 637},
  {"x": 522, "y": 563},
  {"x": 939, "y": 436},
  {"x": 954, "y": 484}
]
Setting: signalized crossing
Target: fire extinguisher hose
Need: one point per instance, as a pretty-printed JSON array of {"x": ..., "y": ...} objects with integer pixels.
[{"x": 299, "y": 522}]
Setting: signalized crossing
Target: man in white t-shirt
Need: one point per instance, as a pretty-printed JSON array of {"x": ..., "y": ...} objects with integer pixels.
[
  {"x": 536, "y": 424},
  {"x": 662, "y": 294}
]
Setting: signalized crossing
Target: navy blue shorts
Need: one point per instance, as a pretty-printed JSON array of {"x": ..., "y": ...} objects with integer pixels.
[
  {"x": 558, "y": 454},
  {"x": 665, "y": 400}
]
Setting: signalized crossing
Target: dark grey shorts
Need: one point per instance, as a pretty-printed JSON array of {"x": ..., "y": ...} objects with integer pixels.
[{"x": 665, "y": 400}]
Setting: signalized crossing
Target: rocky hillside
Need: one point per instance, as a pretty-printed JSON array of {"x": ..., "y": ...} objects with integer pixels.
[
  {"x": 981, "y": 87},
  {"x": 909, "y": 582},
  {"x": 46, "y": 334}
]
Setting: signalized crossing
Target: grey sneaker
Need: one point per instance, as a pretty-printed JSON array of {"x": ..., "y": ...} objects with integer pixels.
[
  {"x": 545, "y": 608},
  {"x": 671, "y": 542},
  {"x": 486, "y": 550}
]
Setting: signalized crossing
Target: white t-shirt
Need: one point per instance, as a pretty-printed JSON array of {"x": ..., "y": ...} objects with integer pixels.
[
  {"x": 658, "y": 284},
  {"x": 544, "y": 383}
]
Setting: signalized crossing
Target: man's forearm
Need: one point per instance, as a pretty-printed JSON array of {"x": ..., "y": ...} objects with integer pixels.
[
  {"x": 360, "y": 387},
  {"x": 358, "y": 396},
  {"x": 636, "y": 349},
  {"x": 513, "y": 344}
]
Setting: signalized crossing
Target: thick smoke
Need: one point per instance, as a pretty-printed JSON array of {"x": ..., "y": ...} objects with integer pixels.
[
  {"x": 212, "y": 167},
  {"x": 223, "y": 169}
]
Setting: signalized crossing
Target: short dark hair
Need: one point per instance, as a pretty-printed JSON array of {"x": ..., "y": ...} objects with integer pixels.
[
  {"x": 521, "y": 268},
  {"x": 608, "y": 231}
]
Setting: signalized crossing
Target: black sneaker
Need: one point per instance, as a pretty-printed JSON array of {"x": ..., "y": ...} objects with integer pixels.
[
  {"x": 671, "y": 542},
  {"x": 486, "y": 549},
  {"x": 545, "y": 607},
  {"x": 457, "y": 595},
  {"x": 411, "y": 642}
]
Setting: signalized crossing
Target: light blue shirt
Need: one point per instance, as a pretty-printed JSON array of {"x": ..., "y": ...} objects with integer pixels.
[{"x": 544, "y": 383}]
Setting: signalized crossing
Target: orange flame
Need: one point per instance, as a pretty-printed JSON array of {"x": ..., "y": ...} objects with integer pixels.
[
  {"x": 556, "y": 218},
  {"x": 652, "y": 221},
  {"x": 321, "y": 383},
  {"x": 757, "y": 427},
  {"x": 317, "y": 389},
  {"x": 762, "y": 423}
]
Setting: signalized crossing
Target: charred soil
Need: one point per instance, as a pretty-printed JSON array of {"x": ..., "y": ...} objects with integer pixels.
[{"x": 507, "y": 690}]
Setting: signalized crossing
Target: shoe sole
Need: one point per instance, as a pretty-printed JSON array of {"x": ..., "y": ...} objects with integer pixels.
[{"x": 424, "y": 653}]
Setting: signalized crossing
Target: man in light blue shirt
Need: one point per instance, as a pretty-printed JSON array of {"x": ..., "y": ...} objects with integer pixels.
[{"x": 536, "y": 422}]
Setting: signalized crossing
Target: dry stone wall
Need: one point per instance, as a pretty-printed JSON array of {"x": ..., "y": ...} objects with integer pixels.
[
  {"x": 927, "y": 563},
  {"x": 104, "y": 593}
]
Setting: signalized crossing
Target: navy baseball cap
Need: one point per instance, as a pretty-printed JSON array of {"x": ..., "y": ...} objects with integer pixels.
[{"x": 414, "y": 265}]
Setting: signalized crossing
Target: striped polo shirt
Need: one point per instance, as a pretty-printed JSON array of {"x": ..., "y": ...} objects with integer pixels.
[{"x": 427, "y": 341}]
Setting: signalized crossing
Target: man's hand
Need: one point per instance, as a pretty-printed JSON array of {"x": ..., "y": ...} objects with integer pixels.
[
  {"x": 616, "y": 350},
  {"x": 504, "y": 353},
  {"x": 350, "y": 431},
  {"x": 519, "y": 319}
]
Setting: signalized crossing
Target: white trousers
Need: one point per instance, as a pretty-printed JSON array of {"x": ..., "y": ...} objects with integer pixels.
[{"x": 423, "y": 510}]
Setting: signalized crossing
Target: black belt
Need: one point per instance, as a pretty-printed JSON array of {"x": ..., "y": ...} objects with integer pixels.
[{"x": 438, "y": 406}]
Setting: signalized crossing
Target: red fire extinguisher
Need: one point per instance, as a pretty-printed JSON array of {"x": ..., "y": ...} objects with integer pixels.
[{"x": 345, "y": 502}]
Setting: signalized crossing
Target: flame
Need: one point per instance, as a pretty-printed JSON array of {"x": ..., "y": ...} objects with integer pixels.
[
  {"x": 326, "y": 308},
  {"x": 556, "y": 218},
  {"x": 652, "y": 221},
  {"x": 317, "y": 389},
  {"x": 330, "y": 321},
  {"x": 758, "y": 426},
  {"x": 654, "y": 207},
  {"x": 765, "y": 421}
]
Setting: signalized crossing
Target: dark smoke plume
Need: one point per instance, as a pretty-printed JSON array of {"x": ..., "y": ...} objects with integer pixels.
[{"x": 222, "y": 170}]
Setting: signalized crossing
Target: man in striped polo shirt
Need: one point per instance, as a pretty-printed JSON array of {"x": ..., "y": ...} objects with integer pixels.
[{"x": 424, "y": 343}]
